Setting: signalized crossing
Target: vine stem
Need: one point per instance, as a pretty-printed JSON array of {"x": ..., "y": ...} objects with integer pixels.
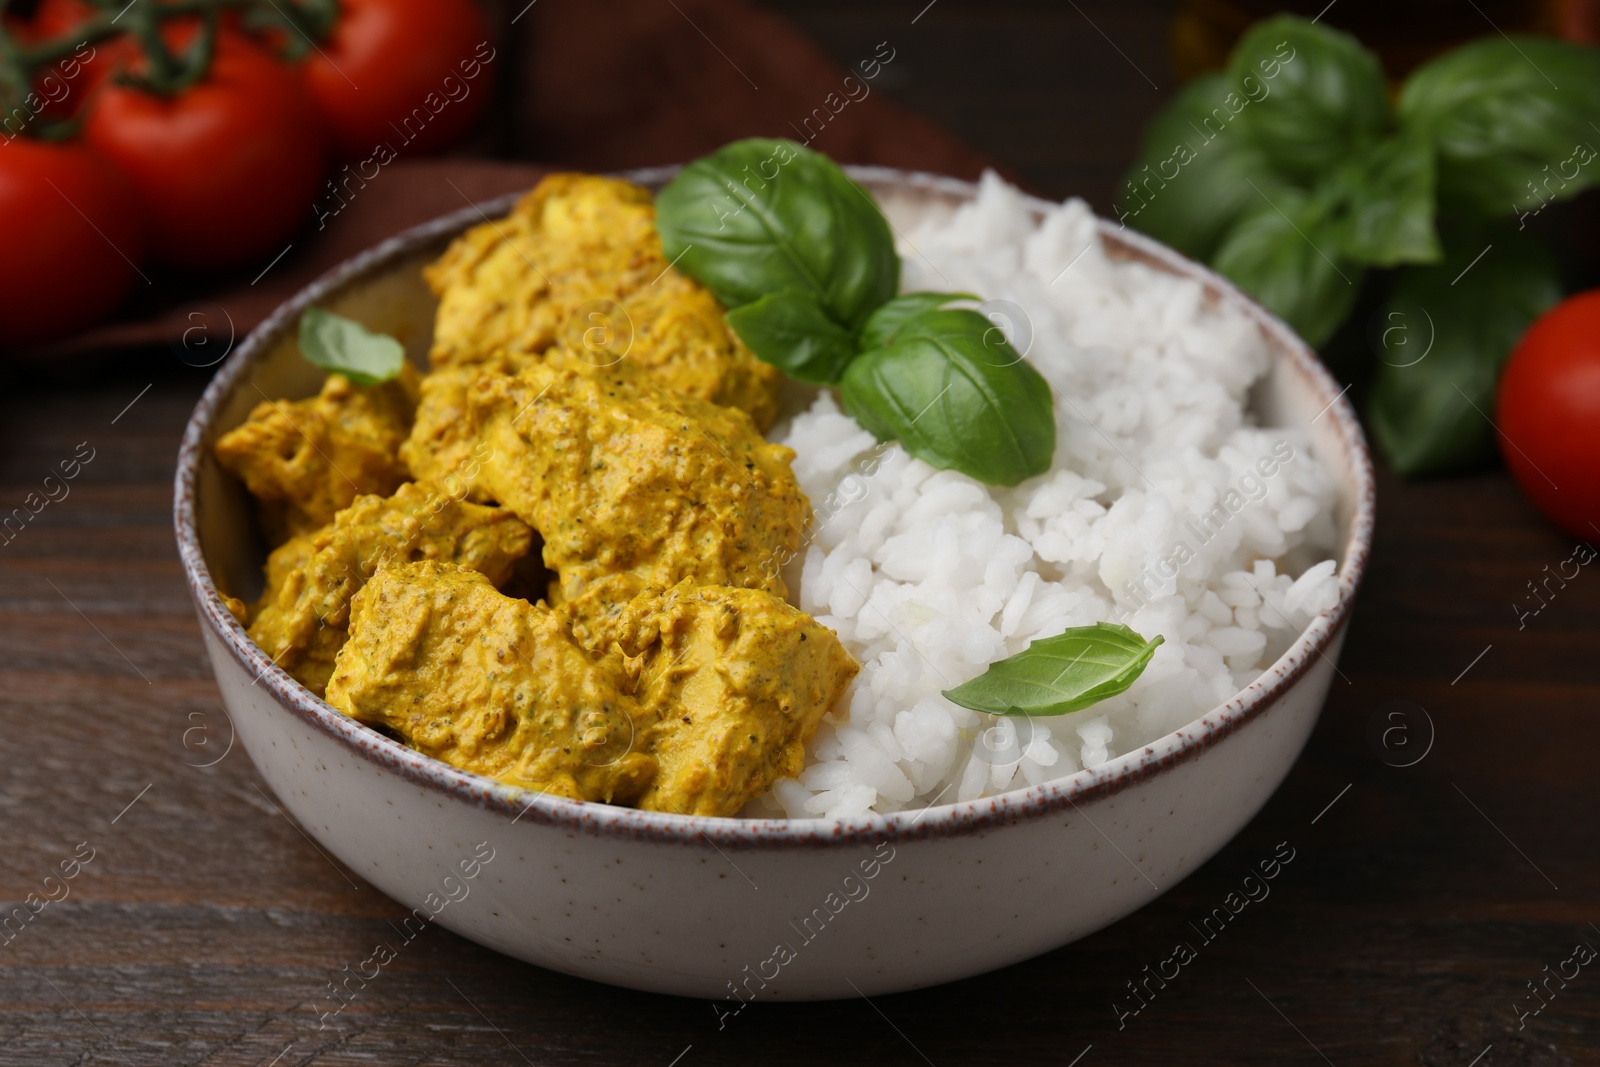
[{"x": 164, "y": 73}]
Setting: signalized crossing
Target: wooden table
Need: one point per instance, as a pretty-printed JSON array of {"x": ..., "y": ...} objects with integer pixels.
[{"x": 1421, "y": 902}]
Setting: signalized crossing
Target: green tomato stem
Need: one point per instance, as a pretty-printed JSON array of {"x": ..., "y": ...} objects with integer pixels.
[{"x": 304, "y": 23}]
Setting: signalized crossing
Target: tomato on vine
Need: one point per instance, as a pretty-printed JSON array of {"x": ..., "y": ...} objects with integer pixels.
[
  {"x": 228, "y": 166},
  {"x": 55, "y": 19},
  {"x": 411, "y": 74},
  {"x": 198, "y": 130},
  {"x": 73, "y": 232}
]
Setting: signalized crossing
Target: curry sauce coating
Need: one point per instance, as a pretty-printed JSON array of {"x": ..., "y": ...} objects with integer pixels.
[
  {"x": 306, "y": 459},
  {"x": 302, "y": 618},
  {"x": 578, "y": 265},
  {"x": 732, "y": 684},
  {"x": 487, "y": 683},
  {"x": 621, "y": 478},
  {"x": 443, "y": 446}
]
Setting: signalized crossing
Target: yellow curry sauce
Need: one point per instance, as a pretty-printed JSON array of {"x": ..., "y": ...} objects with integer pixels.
[
  {"x": 306, "y": 459},
  {"x": 703, "y": 697},
  {"x": 577, "y": 266},
  {"x": 622, "y": 478},
  {"x": 487, "y": 683},
  {"x": 303, "y": 615},
  {"x": 665, "y": 669}
]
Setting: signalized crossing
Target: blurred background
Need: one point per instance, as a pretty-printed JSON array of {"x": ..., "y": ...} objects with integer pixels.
[
  {"x": 1411, "y": 923},
  {"x": 1055, "y": 96},
  {"x": 253, "y": 155}
]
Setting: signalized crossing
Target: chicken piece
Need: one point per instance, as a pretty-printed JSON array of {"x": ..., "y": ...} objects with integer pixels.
[
  {"x": 442, "y": 447},
  {"x": 732, "y": 684},
  {"x": 692, "y": 701},
  {"x": 578, "y": 265},
  {"x": 237, "y": 608},
  {"x": 621, "y": 478},
  {"x": 512, "y": 284},
  {"x": 302, "y": 618},
  {"x": 488, "y": 684},
  {"x": 680, "y": 335},
  {"x": 306, "y": 459}
]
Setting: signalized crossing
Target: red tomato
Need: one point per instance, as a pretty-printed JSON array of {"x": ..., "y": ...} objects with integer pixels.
[
  {"x": 412, "y": 74},
  {"x": 229, "y": 167},
  {"x": 92, "y": 64},
  {"x": 1549, "y": 414},
  {"x": 73, "y": 232},
  {"x": 53, "y": 17}
]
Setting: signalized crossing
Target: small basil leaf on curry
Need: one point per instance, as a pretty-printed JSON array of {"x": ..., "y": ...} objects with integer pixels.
[
  {"x": 882, "y": 325},
  {"x": 957, "y": 395},
  {"x": 764, "y": 216},
  {"x": 344, "y": 346},
  {"x": 791, "y": 331},
  {"x": 1057, "y": 675}
]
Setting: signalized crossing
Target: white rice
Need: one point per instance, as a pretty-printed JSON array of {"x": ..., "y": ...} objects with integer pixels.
[{"x": 929, "y": 576}]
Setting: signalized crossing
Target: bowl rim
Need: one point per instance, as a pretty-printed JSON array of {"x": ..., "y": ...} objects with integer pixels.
[{"x": 935, "y": 821}]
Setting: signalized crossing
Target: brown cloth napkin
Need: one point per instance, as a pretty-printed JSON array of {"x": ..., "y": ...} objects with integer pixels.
[
  {"x": 627, "y": 83},
  {"x": 403, "y": 194},
  {"x": 598, "y": 86}
]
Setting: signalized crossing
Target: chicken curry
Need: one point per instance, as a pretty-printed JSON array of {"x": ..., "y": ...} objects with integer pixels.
[{"x": 654, "y": 661}]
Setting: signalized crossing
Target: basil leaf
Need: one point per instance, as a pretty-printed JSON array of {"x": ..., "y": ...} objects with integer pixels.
[
  {"x": 346, "y": 347},
  {"x": 791, "y": 331},
  {"x": 1192, "y": 178},
  {"x": 1314, "y": 94},
  {"x": 956, "y": 394},
  {"x": 1287, "y": 254},
  {"x": 1430, "y": 412},
  {"x": 1390, "y": 214},
  {"x": 1055, "y": 675},
  {"x": 882, "y": 325},
  {"x": 764, "y": 216},
  {"x": 1509, "y": 118}
]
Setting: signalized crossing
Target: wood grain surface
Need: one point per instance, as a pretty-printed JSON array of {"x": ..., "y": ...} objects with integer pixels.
[{"x": 1420, "y": 904}]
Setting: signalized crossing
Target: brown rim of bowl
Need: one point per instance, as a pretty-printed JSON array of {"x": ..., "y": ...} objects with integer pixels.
[{"x": 946, "y": 820}]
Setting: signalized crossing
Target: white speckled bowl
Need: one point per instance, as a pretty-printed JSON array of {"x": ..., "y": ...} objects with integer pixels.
[{"x": 779, "y": 909}]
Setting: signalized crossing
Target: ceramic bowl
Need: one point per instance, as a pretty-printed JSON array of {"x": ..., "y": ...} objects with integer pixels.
[{"x": 729, "y": 908}]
